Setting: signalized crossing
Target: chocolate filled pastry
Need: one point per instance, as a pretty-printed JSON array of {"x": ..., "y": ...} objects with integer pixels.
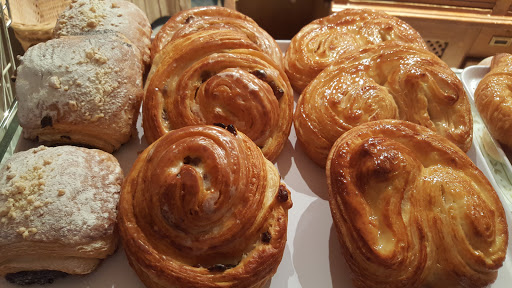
[
  {"x": 219, "y": 76},
  {"x": 493, "y": 99},
  {"x": 390, "y": 80},
  {"x": 214, "y": 18},
  {"x": 411, "y": 209},
  {"x": 83, "y": 16},
  {"x": 321, "y": 42},
  {"x": 83, "y": 90},
  {"x": 202, "y": 207},
  {"x": 58, "y": 210}
]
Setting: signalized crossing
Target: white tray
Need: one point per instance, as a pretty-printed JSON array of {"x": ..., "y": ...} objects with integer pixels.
[{"x": 312, "y": 257}]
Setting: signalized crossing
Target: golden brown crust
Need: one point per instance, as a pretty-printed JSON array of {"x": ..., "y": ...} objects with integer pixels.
[
  {"x": 213, "y": 17},
  {"x": 321, "y": 42},
  {"x": 58, "y": 209},
  {"x": 80, "y": 90},
  {"x": 412, "y": 210},
  {"x": 390, "y": 80},
  {"x": 219, "y": 76},
  {"x": 200, "y": 200},
  {"x": 493, "y": 98},
  {"x": 83, "y": 16}
]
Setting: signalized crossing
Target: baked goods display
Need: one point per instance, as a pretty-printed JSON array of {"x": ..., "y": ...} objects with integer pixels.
[
  {"x": 321, "y": 42},
  {"x": 390, "y": 80},
  {"x": 218, "y": 76},
  {"x": 202, "y": 207},
  {"x": 80, "y": 90},
  {"x": 58, "y": 209},
  {"x": 412, "y": 210},
  {"x": 214, "y": 18},
  {"x": 124, "y": 17},
  {"x": 493, "y": 99}
]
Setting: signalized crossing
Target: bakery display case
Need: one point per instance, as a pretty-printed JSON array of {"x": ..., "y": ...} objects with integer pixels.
[{"x": 227, "y": 104}]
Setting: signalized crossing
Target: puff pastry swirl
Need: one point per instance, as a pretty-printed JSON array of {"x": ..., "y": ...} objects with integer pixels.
[
  {"x": 390, "y": 80},
  {"x": 412, "y": 210},
  {"x": 493, "y": 99},
  {"x": 202, "y": 207},
  {"x": 214, "y": 18},
  {"x": 219, "y": 76},
  {"x": 321, "y": 42}
]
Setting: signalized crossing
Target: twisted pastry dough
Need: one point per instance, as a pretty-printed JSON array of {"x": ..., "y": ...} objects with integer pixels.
[
  {"x": 412, "y": 210},
  {"x": 390, "y": 80},
  {"x": 211, "y": 18},
  {"x": 202, "y": 207},
  {"x": 321, "y": 42},
  {"x": 493, "y": 98},
  {"x": 219, "y": 76}
]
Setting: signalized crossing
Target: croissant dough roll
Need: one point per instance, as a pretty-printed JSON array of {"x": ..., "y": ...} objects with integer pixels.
[
  {"x": 80, "y": 90},
  {"x": 493, "y": 98},
  {"x": 412, "y": 210},
  {"x": 215, "y": 17},
  {"x": 219, "y": 76},
  {"x": 58, "y": 209},
  {"x": 390, "y": 80},
  {"x": 321, "y": 42},
  {"x": 120, "y": 16},
  {"x": 202, "y": 207}
]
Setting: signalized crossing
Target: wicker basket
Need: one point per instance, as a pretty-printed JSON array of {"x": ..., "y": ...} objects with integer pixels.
[{"x": 33, "y": 20}]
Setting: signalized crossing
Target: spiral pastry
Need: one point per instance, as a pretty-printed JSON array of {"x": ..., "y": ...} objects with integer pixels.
[
  {"x": 219, "y": 76},
  {"x": 202, "y": 207},
  {"x": 412, "y": 210},
  {"x": 390, "y": 80},
  {"x": 493, "y": 99},
  {"x": 318, "y": 44},
  {"x": 213, "y": 18}
]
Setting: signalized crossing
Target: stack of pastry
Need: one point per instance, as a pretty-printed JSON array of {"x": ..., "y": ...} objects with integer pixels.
[
  {"x": 86, "y": 88},
  {"x": 58, "y": 206},
  {"x": 373, "y": 66},
  {"x": 214, "y": 65}
]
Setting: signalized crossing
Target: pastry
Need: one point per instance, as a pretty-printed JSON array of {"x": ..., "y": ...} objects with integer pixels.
[
  {"x": 81, "y": 90},
  {"x": 411, "y": 209},
  {"x": 390, "y": 80},
  {"x": 202, "y": 207},
  {"x": 83, "y": 16},
  {"x": 493, "y": 99},
  {"x": 58, "y": 209},
  {"x": 219, "y": 76},
  {"x": 321, "y": 42},
  {"x": 214, "y": 18}
]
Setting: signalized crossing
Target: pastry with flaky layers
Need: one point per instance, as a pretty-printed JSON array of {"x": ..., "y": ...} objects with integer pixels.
[
  {"x": 214, "y": 18},
  {"x": 318, "y": 44},
  {"x": 82, "y": 90},
  {"x": 124, "y": 17},
  {"x": 58, "y": 210},
  {"x": 390, "y": 80},
  {"x": 412, "y": 210},
  {"x": 202, "y": 207},
  {"x": 219, "y": 76},
  {"x": 493, "y": 99}
]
